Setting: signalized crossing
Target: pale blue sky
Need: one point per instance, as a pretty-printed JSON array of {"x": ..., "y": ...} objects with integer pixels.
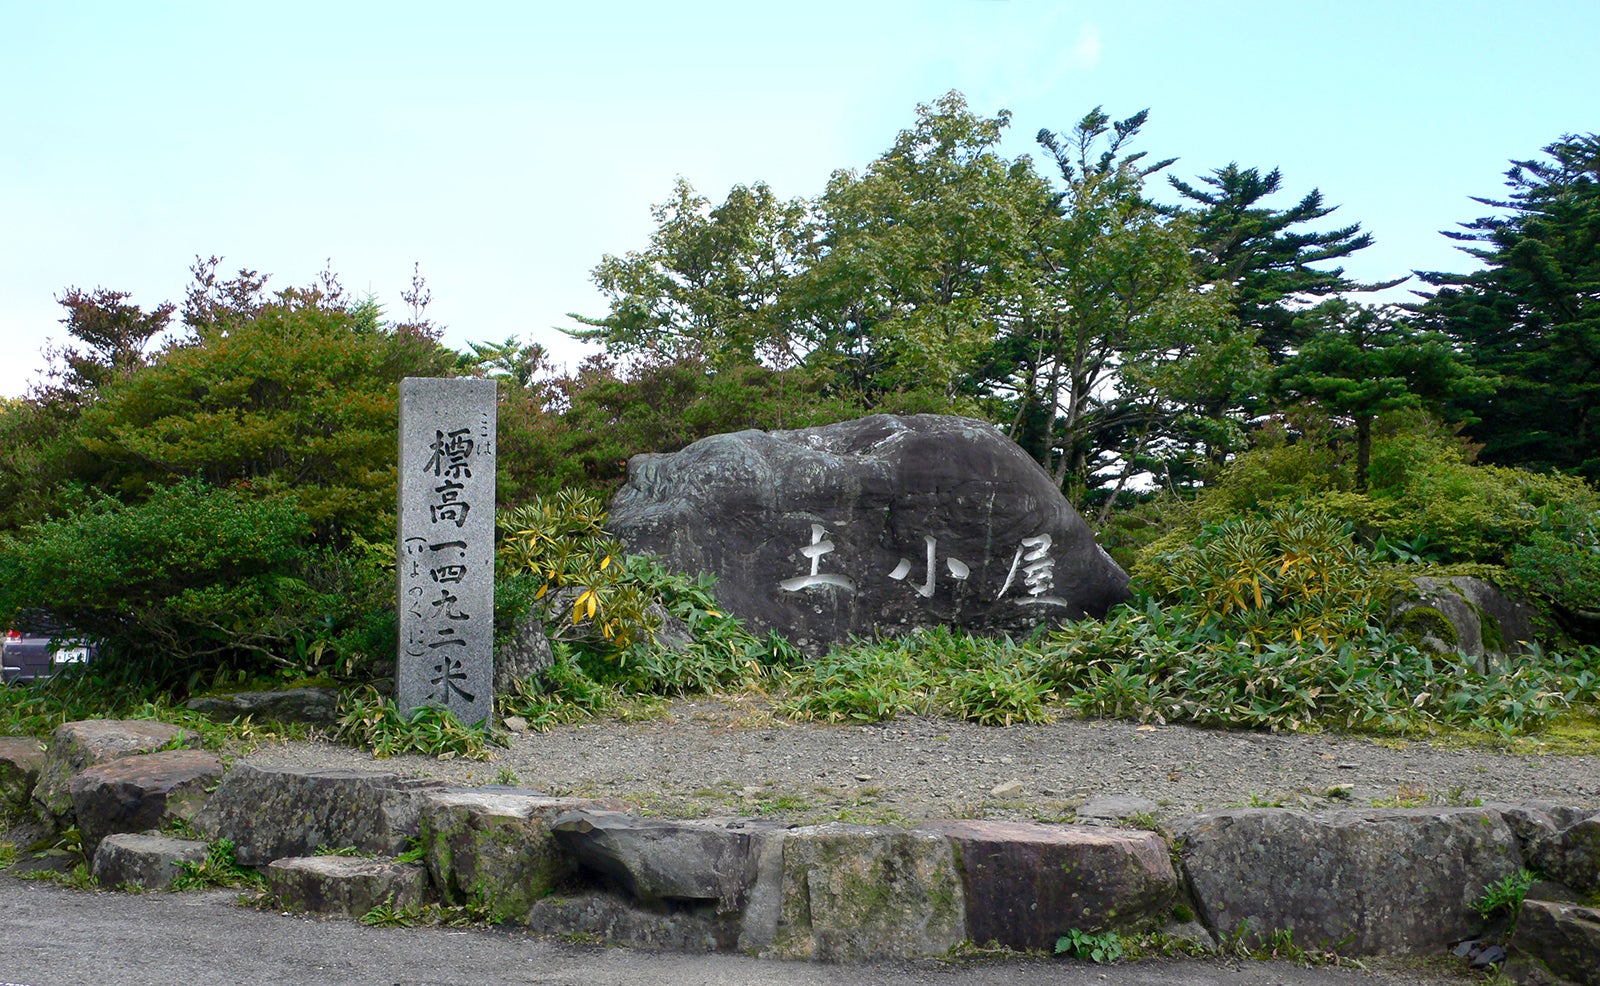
[{"x": 507, "y": 146}]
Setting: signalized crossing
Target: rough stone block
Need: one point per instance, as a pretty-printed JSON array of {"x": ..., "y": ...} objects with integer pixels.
[
  {"x": 344, "y": 885},
  {"x": 1026, "y": 885},
  {"x": 152, "y": 862},
  {"x": 858, "y": 893},
  {"x": 620, "y": 920},
  {"x": 276, "y": 812},
  {"x": 1575, "y": 856},
  {"x": 659, "y": 859},
  {"x": 20, "y": 760},
  {"x": 1364, "y": 881},
  {"x": 1563, "y": 938},
  {"x": 132, "y": 794},
  {"x": 495, "y": 847},
  {"x": 75, "y": 746}
]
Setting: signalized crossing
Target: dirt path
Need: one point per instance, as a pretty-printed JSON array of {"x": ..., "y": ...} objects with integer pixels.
[{"x": 734, "y": 757}]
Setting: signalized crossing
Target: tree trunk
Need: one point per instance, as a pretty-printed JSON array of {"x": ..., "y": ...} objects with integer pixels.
[{"x": 1363, "y": 450}]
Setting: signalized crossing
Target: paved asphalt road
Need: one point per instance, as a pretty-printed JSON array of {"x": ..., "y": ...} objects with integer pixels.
[{"x": 55, "y": 937}]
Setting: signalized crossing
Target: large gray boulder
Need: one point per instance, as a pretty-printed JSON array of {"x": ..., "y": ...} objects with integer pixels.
[
  {"x": 622, "y": 921},
  {"x": 276, "y": 812},
  {"x": 524, "y": 655},
  {"x": 345, "y": 886},
  {"x": 1573, "y": 857},
  {"x": 1367, "y": 881},
  {"x": 317, "y": 706},
  {"x": 144, "y": 861},
  {"x": 876, "y": 524},
  {"x": 1465, "y": 614}
]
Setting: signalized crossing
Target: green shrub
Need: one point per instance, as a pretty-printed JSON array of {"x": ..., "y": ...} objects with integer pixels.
[
  {"x": 1292, "y": 574},
  {"x": 1107, "y": 947},
  {"x": 219, "y": 869},
  {"x": 559, "y": 542},
  {"x": 864, "y": 683},
  {"x": 1561, "y": 558},
  {"x": 565, "y": 693},
  {"x": 1505, "y": 895},
  {"x": 295, "y": 398},
  {"x": 998, "y": 695},
  {"x": 190, "y": 579},
  {"x": 1426, "y": 501},
  {"x": 609, "y": 607}
]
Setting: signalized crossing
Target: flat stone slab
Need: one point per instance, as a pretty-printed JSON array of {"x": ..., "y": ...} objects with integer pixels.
[
  {"x": 1115, "y": 809},
  {"x": 76, "y": 746},
  {"x": 1395, "y": 881},
  {"x": 317, "y": 706},
  {"x": 496, "y": 847},
  {"x": 863, "y": 893},
  {"x": 20, "y": 760},
  {"x": 1563, "y": 938},
  {"x": 344, "y": 885},
  {"x": 145, "y": 791},
  {"x": 1026, "y": 884},
  {"x": 149, "y": 862},
  {"x": 277, "y": 812}
]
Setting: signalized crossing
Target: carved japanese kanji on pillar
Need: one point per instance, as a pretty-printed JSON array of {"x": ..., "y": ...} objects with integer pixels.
[{"x": 446, "y": 546}]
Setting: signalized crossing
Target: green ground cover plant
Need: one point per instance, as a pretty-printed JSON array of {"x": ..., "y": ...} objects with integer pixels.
[
  {"x": 926, "y": 672},
  {"x": 1504, "y": 896},
  {"x": 37, "y": 709},
  {"x": 371, "y": 720},
  {"x": 1268, "y": 620},
  {"x": 218, "y": 869}
]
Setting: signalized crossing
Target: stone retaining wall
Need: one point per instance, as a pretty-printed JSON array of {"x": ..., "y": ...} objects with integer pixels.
[{"x": 1361, "y": 882}]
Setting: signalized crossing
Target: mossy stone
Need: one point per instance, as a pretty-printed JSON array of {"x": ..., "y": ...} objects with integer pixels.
[
  {"x": 1420, "y": 622},
  {"x": 865, "y": 893}
]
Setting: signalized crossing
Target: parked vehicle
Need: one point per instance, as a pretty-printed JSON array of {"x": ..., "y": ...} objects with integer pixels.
[{"x": 28, "y": 657}]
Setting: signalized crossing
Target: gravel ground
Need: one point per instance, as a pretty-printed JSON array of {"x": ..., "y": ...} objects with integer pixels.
[{"x": 734, "y": 757}]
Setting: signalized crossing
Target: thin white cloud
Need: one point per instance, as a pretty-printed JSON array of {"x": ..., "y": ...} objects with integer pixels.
[{"x": 1086, "y": 53}]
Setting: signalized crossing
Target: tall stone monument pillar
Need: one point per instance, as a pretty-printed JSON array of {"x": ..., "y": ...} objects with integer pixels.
[{"x": 446, "y": 546}]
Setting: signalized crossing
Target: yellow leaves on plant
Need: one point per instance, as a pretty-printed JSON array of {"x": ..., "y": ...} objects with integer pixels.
[{"x": 605, "y": 563}]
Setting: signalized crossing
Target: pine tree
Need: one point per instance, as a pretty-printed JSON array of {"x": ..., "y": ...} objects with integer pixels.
[
  {"x": 1359, "y": 362},
  {"x": 1260, "y": 251},
  {"x": 1532, "y": 315}
]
